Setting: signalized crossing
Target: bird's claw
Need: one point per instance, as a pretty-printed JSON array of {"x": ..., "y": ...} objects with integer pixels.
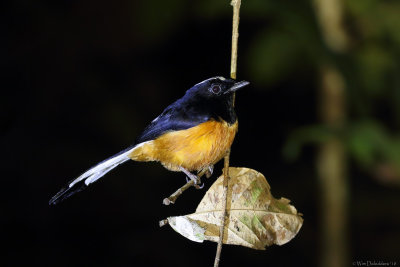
[
  {"x": 209, "y": 171},
  {"x": 199, "y": 186}
]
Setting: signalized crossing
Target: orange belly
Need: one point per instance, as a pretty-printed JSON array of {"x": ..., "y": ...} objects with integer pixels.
[{"x": 193, "y": 149}]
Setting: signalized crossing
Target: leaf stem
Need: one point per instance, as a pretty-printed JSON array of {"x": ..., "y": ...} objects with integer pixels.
[{"x": 235, "y": 35}]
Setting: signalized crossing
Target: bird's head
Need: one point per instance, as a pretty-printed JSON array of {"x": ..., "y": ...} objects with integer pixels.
[{"x": 216, "y": 88}]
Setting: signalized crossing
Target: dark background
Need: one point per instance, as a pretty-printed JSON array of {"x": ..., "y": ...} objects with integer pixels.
[{"x": 83, "y": 78}]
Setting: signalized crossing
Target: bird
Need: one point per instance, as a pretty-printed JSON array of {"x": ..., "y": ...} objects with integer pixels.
[{"x": 192, "y": 134}]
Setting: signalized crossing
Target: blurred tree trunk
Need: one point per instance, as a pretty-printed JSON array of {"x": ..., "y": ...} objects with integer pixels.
[
  {"x": 332, "y": 173},
  {"x": 331, "y": 159}
]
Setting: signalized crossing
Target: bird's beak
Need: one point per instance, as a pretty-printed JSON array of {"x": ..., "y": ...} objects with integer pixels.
[{"x": 236, "y": 86}]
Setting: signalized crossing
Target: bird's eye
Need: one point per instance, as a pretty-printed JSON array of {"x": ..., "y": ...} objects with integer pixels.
[{"x": 216, "y": 89}]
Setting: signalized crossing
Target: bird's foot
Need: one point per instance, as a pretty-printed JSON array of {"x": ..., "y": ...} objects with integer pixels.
[
  {"x": 193, "y": 177},
  {"x": 197, "y": 181}
]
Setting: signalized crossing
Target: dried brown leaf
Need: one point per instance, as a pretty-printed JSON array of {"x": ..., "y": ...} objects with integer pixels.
[{"x": 256, "y": 218}]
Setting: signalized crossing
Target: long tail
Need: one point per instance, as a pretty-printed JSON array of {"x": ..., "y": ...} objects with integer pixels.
[{"x": 91, "y": 175}]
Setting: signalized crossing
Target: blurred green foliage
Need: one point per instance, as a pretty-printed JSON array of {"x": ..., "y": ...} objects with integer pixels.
[
  {"x": 367, "y": 141},
  {"x": 289, "y": 44},
  {"x": 370, "y": 67},
  {"x": 370, "y": 143}
]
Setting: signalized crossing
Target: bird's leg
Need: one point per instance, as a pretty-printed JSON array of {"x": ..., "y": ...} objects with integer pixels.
[
  {"x": 193, "y": 177},
  {"x": 209, "y": 171},
  {"x": 172, "y": 198}
]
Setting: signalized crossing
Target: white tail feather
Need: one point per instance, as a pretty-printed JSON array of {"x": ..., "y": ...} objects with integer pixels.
[{"x": 98, "y": 171}]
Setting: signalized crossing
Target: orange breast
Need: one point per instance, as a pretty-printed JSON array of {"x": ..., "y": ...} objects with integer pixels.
[{"x": 193, "y": 149}]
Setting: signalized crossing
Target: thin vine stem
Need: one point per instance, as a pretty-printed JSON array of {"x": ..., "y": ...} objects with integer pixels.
[{"x": 235, "y": 35}]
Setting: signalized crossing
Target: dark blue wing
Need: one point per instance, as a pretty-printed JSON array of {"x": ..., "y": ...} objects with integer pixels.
[{"x": 178, "y": 116}]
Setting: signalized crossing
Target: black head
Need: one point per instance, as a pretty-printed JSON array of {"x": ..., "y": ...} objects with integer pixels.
[
  {"x": 216, "y": 88},
  {"x": 212, "y": 97}
]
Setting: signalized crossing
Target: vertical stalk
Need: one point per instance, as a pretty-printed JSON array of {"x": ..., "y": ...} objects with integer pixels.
[
  {"x": 332, "y": 173},
  {"x": 225, "y": 218},
  {"x": 331, "y": 161},
  {"x": 235, "y": 36},
  {"x": 330, "y": 15}
]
